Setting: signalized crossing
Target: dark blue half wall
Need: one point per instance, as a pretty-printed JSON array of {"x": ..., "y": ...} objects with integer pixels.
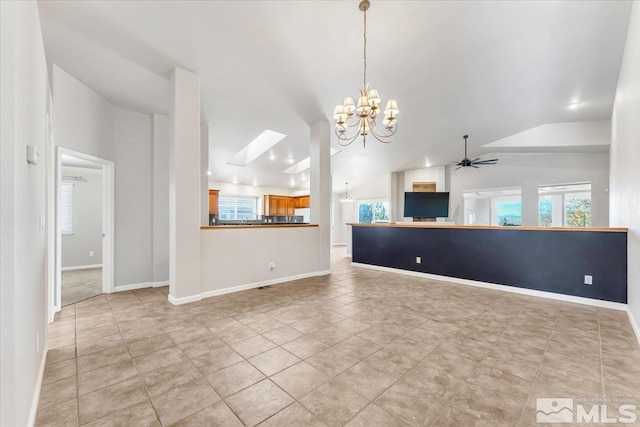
[{"x": 543, "y": 260}]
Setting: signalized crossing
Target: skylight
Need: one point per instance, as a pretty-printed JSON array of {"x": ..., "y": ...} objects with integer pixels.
[
  {"x": 305, "y": 164},
  {"x": 256, "y": 148}
]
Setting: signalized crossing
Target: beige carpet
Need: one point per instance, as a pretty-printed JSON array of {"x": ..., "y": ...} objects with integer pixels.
[{"x": 78, "y": 285}]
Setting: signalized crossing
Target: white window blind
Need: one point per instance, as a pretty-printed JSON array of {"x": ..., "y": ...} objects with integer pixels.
[
  {"x": 237, "y": 207},
  {"x": 66, "y": 208}
]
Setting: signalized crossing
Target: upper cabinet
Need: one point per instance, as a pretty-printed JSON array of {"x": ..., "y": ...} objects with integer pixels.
[
  {"x": 302, "y": 201},
  {"x": 275, "y": 205},
  {"x": 213, "y": 202}
]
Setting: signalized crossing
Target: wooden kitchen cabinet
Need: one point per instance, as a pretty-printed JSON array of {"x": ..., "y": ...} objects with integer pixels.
[
  {"x": 275, "y": 205},
  {"x": 213, "y": 202},
  {"x": 302, "y": 201}
]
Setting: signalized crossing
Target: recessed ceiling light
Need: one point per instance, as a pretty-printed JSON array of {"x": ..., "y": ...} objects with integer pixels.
[
  {"x": 272, "y": 156},
  {"x": 290, "y": 160},
  {"x": 209, "y": 173},
  {"x": 235, "y": 180},
  {"x": 292, "y": 183},
  {"x": 303, "y": 177},
  {"x": 255, "y": 182},
  {"x": 573, "y": 105},
  {"x": 257, "y": 147}
]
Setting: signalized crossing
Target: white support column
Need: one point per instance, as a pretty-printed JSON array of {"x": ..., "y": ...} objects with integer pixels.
[
  {"x": 184, "y": 188},
  {"x": 321, "y": 190}
]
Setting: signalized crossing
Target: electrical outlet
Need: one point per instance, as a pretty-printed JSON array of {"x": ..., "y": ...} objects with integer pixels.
[
  {"x": 588, "y": 280},
  {"x": 37, "y": 343},
  {"x": 272, "y": 265},
  {"x": 92, "y": 253},
  {"x": 418, "y": 260}
]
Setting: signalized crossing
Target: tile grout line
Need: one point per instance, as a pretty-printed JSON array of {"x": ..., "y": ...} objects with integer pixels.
[{"x": 535, "y": 377}]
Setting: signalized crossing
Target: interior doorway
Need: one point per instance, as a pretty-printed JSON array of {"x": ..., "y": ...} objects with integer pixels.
[{"x": 84, "y": 228}]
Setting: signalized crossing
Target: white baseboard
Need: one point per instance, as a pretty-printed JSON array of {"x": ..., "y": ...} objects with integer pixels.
[
  {"x": 497, "y": 287},
  {"x": 184, "y": 300},
  {"x": 634, "y": 324},
  {"x": 133, "y": 286},
  {"x": 36, "y": 393},
  {"x": 160, "y": 284},
  {"x": 245, "y": 287},
  {"x": 339, "y": 244},
  {"x": 81, "y": 267}
]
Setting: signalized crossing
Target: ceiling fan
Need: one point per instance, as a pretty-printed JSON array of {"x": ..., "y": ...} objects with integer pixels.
[{"x": 475, "y": 162}]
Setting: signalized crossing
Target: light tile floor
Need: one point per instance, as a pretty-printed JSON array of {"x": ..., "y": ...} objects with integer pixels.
[
  {"x": 358, "y": 348},
  {"x": 79, "y": 285}
]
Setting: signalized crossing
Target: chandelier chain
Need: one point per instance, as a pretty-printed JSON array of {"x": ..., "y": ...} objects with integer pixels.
[{"x": 364, "y": 80}]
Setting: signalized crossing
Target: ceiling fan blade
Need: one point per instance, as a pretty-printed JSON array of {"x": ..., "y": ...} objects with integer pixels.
[
  {"x": 485, "y": 162},
  {"x": 476, "y": 159},
  {"x": 458, "y": 167},
  {"x": 474, "y": 166},
  {"x": 455, "y": 163},
  {"x": 489, "y": 160}
]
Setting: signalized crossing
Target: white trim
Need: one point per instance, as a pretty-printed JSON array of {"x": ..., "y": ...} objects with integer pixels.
[
  {"x": 133, "y": 286},
  {"x": 184, "y": 300},
  {"x": 497, "y": 287},
  {"x": 160, "y": 284},
  {"x": 245, "y": 287},
  {"x": 108, "y": 220},
  {"x": 36, "y": 393},
  {"x": 634, "y": 324},
  {"x": 339, "y": 244},
  {"x": 81, "y": 267}
]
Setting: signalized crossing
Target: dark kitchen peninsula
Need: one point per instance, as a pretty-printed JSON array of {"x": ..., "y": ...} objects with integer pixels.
[{"x": 548, "y": 259}]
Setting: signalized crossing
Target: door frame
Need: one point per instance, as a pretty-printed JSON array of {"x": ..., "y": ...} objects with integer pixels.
[{"x": 108, "y": 217}]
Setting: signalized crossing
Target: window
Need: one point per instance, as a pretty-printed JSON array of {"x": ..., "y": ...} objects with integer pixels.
[
  {"x": 66, "y": 208},
  {"x": 373, "y": 211},
  {"x": 493, "y": 206},
  {"x": 565, "y": 205},
  {"x": 237, "y": 207}
]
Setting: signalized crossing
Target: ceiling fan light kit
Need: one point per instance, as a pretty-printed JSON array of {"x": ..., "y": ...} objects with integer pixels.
[
  {"x": 363, "y": 115},
  {"x": 475, "y": 163}
]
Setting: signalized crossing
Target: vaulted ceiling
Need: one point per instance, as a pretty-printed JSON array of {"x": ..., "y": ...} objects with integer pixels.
[{"x": 485, "y": 68}]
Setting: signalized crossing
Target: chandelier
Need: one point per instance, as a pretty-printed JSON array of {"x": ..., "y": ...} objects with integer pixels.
[
  {"x": 347, "y": 198},
  {"x": 363, "y": 116}
]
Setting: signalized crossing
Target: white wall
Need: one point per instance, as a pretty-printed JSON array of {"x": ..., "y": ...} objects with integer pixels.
[
  {"x": 530, "y": 170},
  {"x": 23, "y": 285},
  {"x": 133, "y": 157},
  {"x": 87, "y": 219},
  {"x": 82, "y": 119},
  {"x": 160, "y": 199},
  {"x": 625, "y": 152},
  {"x": 85, "y": 122},
  {"x": 224, "y": 261}
]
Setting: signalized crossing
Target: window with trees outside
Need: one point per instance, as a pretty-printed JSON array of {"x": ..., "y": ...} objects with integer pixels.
[
  {"x": 370, "y": 211},
  {"x": 237, "y": 207},
  {"x": 565, "y": 205}
]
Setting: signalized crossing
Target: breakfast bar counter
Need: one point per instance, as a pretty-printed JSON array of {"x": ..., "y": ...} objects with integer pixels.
[{"x": 549, "y": 259}]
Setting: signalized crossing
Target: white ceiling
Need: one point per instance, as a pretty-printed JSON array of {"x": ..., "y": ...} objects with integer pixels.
[{"x": 489, "y": 69}]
